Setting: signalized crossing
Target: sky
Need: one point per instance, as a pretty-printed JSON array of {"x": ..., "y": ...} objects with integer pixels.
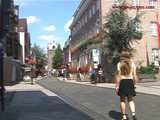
[{"x": 48, "y": 20}]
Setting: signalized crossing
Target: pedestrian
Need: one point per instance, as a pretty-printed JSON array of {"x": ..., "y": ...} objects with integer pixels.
[
  {"x": 93, "y": 76},
  {"x": 100, "y": 74},
  {"x": 126, "y": 80}
]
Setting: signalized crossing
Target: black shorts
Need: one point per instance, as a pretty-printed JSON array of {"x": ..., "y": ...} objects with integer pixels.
[{"x": 126, "y": 88}]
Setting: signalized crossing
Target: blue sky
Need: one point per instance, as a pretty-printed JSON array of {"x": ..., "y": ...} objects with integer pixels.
[{"x": 48, "y": 19}]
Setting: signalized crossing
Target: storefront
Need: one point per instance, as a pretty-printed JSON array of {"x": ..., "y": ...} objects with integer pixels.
[{"x": 156, "y": 56}]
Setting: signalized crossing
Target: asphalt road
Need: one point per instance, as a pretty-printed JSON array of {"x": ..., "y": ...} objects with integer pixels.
[{"x": 101, "y": 103}]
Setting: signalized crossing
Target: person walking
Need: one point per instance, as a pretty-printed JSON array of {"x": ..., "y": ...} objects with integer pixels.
[
  {"x": 126, "y": 80},
  {"x": 100, "y": 74}
]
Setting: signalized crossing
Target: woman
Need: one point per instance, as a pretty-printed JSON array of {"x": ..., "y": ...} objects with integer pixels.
[{"x": 125, "y": 84}]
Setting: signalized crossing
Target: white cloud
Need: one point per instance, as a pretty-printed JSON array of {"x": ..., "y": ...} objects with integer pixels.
[
  {"x": 32, "y": 19},
  {"x": 50, "y": 28},
  {"x": 49, "y": 38},
  {"x": 22, "y": 2},
  {"x": 67, "y": 25}
]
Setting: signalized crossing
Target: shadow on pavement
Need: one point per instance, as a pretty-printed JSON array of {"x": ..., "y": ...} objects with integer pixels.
[
  {"x": 35, "y": 105},
  {"x": 115, "y": 115}
]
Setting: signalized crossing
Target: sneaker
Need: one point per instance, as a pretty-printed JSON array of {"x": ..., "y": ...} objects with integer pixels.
[
  {"x": 125, "y": 118},
  {"x": 134, "y": 117}
]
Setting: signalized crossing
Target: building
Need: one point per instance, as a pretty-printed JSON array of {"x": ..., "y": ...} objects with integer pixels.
[
  {"x": 9, "y": 15},
  {"x": 67, "y": 53},
  {"x": 9, "y": 27},
  {"x": 88, "y": 23},
  {"x": 24, "y": 38},
  {"x": 50, "y": 54}
]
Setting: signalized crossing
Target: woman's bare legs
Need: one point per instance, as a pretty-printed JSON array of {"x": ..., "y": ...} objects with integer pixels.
[
  {"x": 132, "y": 107},
  {"x": 123, "y": 107}
]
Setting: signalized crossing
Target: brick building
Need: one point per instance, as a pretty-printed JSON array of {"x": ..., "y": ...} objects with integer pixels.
[{"x": 88, "y": 22}]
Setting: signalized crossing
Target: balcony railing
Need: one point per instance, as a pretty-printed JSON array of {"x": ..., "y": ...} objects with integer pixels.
[{"x": 86, "y": 27}]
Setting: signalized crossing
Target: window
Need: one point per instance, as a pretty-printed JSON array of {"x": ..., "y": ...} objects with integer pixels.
[
  {"x": 90, "y": 13},
  {"x": 136, "y": 2},
  {"x": 116, "y": 2},
  {"x": 153, "y": 29},
  {"x": 94, "y": 9},
  {"x": 16, "y": 29},
  {"x": 83, "y": 20},
  {"x": 73, "y": 30},
  {"x": 79, "y": 24},
  {"x": 86, "y": 18},
  {"x": 152, "y": 3},
  {"x": 138, "y": 28},
  {"x": 155, "y": 56},
  {"x": 98, "y": 4}
]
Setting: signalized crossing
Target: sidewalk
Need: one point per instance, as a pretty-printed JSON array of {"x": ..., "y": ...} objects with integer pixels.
[
  {"x": 33, "y": 102},
  {"x": 152, "y": 88}
]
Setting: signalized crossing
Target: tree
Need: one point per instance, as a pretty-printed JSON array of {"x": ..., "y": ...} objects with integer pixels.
[
  {"x": 58, "y": 57},
  {"x": 121, "y": 31},
  {"x": 39, "y": 54}
]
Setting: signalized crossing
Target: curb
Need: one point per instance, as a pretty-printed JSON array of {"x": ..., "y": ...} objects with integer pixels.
[{"x": 139, "y": 89}]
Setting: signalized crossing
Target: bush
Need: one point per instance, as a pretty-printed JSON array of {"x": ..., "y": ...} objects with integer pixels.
[{"x": 151, "y": 69}]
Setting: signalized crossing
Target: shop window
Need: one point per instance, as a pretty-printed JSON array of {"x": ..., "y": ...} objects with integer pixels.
[
  {"x": 116, "y": 2},
  {"x": 152, "y": 3},
  {"x": 136, "y": 2},
  {"x": 153, "y": 29}
]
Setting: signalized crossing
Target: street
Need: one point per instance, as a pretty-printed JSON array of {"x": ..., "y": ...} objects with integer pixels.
[
  {"x": 24, "y": 101},
  {"x": 101, "y": 103},
  {"x": 87, "y": 48}
]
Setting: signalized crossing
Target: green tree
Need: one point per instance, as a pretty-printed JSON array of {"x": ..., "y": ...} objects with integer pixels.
[
  {"x": 121, "y": 31},
  {"x": 58, "y": 57},
  {"x": 39, "y": 53}
]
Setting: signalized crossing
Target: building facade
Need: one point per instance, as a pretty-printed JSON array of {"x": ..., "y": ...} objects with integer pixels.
[
  {"x": 8, "y": 27},
  {"x": 67, "y": 53},
  {"x": 9, "y": 40},
  {"x": 24, "y": 38},
  {"x": 86, "y": 25},
  {"x": 88, "y": 22}
]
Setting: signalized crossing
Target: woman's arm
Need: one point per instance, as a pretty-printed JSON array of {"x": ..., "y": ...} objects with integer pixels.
[
  {"x": 117, "y": 77},
  {"x": 135, "y": 77},
  {"x": 117, "y": 80}
]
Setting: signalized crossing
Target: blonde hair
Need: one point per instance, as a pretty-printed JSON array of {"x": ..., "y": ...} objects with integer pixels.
[
  {"x": 125, "y": 67},
  {"x": 125, "y": 60}
]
